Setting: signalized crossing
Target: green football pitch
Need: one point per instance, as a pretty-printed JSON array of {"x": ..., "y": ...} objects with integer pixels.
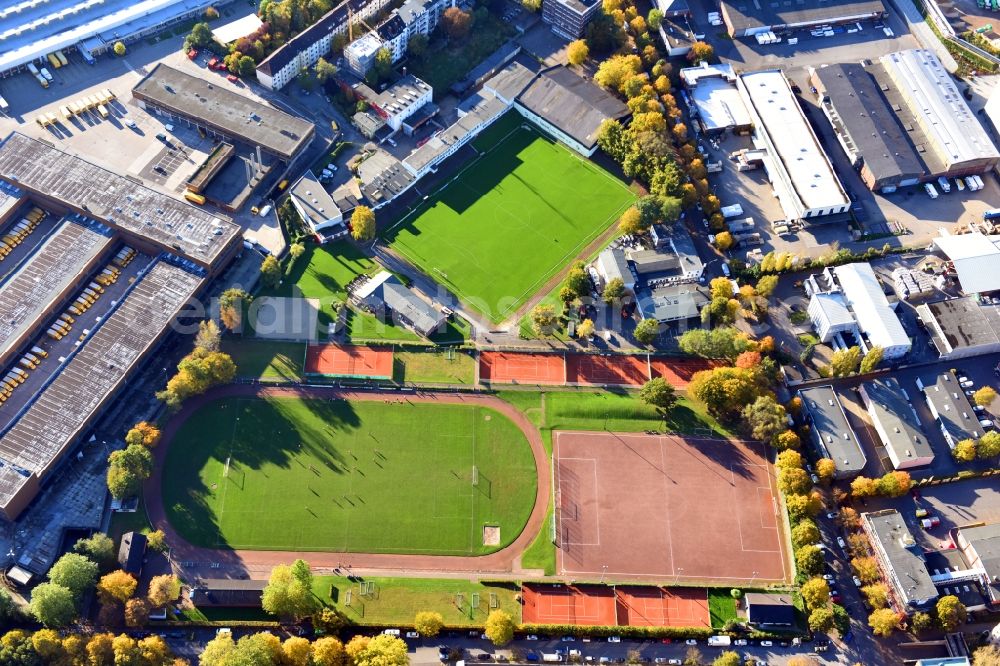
[
  {"x": 511, "y": 219},
  {"x": 351, "y": 476}
]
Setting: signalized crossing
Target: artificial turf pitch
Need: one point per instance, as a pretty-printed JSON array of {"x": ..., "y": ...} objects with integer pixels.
[
  {"x": 351, "y": 476},
  {"x": 510, "y": 220}
]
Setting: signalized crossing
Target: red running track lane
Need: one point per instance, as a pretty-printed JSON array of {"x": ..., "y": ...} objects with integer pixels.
[{"x": 235, "y": 563}]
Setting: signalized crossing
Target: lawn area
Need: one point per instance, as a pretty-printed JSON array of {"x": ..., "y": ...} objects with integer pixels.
[
  {"x": 444, "y": 64},
  {"x": 354, "y": 476},
  {"x": 398, "y": 600},
  {"x": 265, "y": 359},
  {"x": 363, "y": 327},
  {"x": 721, "y": 607},
  {"x": 434, "y": 367},
  {"x": 541, "y": 554},
  {"x": 512, "y": 219},
  {"x": 136, "y": 521}
]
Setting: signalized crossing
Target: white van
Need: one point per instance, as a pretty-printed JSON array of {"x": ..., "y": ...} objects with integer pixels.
[
  {"x": 725, "y": 268},
  {"x": 979, "y": 182},
  {"x": 944, "y": 184},
  {"x": 931, "y": 191}
]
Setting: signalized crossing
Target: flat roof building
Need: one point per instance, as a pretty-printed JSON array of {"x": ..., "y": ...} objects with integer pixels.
[
  {"x": 933, "y": 101},
  {"x": 215, "y": 108},
  {"x": 745, "y": 19},
  {"x": 399, "y": 101},
  {"x": 612, "y": 264},
  {"x": 975, "y": 257},
  {"x": 950, "y": 407},
  {"x": 800, "y": 172},
  {"x": 831, "y": 433},
  {"x": 875, "y": 317},
  {"x": 770, "y": 610},
  {"x": 569, "y": 18},
  {"x": 244, "y": 26},
  {"x": 672, "y": 302},
  {"x": 317, "y": 207},
  {"x": 146, "y": 216},
  {"x": 714, "y": 94},
  {"x": 569, "y": 107},
  {"x": 900, "y": 560},
  {"x": 962, "y": 327},
  {"x": 896, "y": 422},
  {"x": 980, "y": 547},
  {"x": 227, "y": 593}
]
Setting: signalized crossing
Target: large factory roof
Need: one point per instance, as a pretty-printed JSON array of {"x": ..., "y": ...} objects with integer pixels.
[
  {"x": 118, "y": 201},
  {"x": 235, "y": 115},
  {"x": 40, "y": 434},
  {"x": 30, "y": 289}
]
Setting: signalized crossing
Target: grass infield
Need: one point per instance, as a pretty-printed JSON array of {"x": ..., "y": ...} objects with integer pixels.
[
  {"x": 511, "y": 219},
  {"x": 352, "y": 476},
  {"x": 721, "y": 607}
]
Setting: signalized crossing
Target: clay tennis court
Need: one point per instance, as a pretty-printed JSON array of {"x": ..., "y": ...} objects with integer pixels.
[
  {"x": 522, "y": 368},
  {"x": 604, "y": 370},
  {"x": 349, "y": 361},
  {"x": 662, "y": 607},
  {"x": 568, "y": 604},
  {"x": 631, "y": 505},
  {"x": 678, "y": 371}
]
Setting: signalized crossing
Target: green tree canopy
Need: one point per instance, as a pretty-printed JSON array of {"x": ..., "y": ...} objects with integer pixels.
[
  {"x": 52, "y": 605},
  {"x": 660, "y": 394},
  {"x": 500, "y": 627},
  {"x": 76, "y": 573},
  {"x": 646, "y": 331}
]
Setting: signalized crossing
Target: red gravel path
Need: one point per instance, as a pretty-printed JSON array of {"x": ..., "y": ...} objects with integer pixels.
[{"x": 257, "y": 563}]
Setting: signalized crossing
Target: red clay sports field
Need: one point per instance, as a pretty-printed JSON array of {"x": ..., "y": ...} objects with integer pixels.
[
  {"x": 623, "y": 605},
  {"x": 679, "y": 509},
  {"x": 560, "y": 369},
  {"x": 349, "y": 361}
]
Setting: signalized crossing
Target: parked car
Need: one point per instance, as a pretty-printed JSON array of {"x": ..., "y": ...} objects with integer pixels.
[{"x": 614, "y": 639}]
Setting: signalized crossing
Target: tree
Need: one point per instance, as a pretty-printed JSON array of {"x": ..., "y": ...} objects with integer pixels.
[
  {"x": 765, "y": 418},
  {"x": 921, "y": 622},
  {"x": 119, "y": 48},
  {"x": 201, "y": 35},
  {"x": 363, "y": 220},
  {"x": 865, "y": 568},
  {"x": 100, "y": 548},
  {"x": 296, "y": 250},
  {"x": 989, "y": 445},
  {"x": 136, "y": 612},
  {"x": 127, "y": 469},
  {"x": 654, "y": 18},
  {"x": 984, "y": 396},
  {"x": 145, "y": 433},
  {"x": 163, "y": 590},
  {"x": 724, "y": 390},
  {"x": 156, "y": 541},
  {"x": 815, "y": 592},
  {"x": 118, "y": 585},
  {"x": 418, "y": 45},
  {"x": 329, "y": 651},
  {"x": 659, "y": 394},
  {"x": 805, "y": 533},
  {"x": 801, "y": 506},
  {"x": 789, "y": 458},
  {"x": 826, "y": 469},
  {"x": 700, "y": 51},
  {"x": 988, "y": 655},
  {"x": 809, "y": 560},
  {"x": 578, "y": 280},
  {"x": 766, "y": 285},
  {"x": 871, "y": 360},
  {"x": 325, "y": 70},
  {"x": 246, "y": 67},
  {"x": 456, "y": 23},
  {"x": 577, "y": 52},
  {"x": 270, "y": 272},
  {"x": 500, "y": 627},
  {"x": 794, "y": 481},
  {"x": 951, "y": 613},
  {"x": 844, "y": 362},
  {"x": 895, "y": 484},
  {"x": 877, "y": 595},
  {"x": 233, "y": 305},
  {"x": 613, "y": 72},
  {"x": 100, "y": 650},
  {"x": 428, "y": 623},
  {"x": 52, "y": 605},
  {"x": 862, "y": 486},
  {"x": 613, "y": 290},
  {"x": 218, "y": 651},
  {"x": 821, "y": 620},
  {"x": 646, "y": 331},
  {"x": 630, "y": 222},
  {"x": 693, "y": 657},
  {"x": 287, "y": 594},
  {"x": 786, "y": 440},
  {"x": 964, "y": 451},
  {"x": 723, "y": 342},
  {"x": 48, "y": 644},
  {"x": 724, "y": 240},
  {"x": 296, "y": 651},
  {"x": 385, "y": 650},
  {"x": 74, "y": 572},
  {"x": 728, "y": 658},
  {"x": 883, "y": 622},
  {"x": 585, "y": 329},
  {"x": 544, "y": 320}
]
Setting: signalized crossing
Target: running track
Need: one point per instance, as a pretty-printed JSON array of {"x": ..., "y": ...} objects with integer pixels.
[{"x": 258, "y": 563}]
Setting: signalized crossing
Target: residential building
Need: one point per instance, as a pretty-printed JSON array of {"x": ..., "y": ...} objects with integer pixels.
[
  {"x": 306, "y": 48},
  {"x": 950, "y": 407},
  {"x": 900, "y": 560},
  {"x": 413, "y": 17},
  {"x": 799, "y": 170},
  {"x": 719, "y": 106},
  {"x": 569, "y": 18},
  {"x": 853, "y": 292},
  {"x": 962, "y": 327},
  {"x": 407, "y": 98},
  {"x": 673, "y": 302},
  {"x": 974, "y": 257},
  {"x": 386, "y": 297},
  {"x": 569, "y": 107},
  {"x": 769, "y": 611},
  {"x": 359, "y": 55},
  {"x": 317, "y": 208},
  {"x": 830, "y": 431},
  {"x": 896, "y": 422},
  {"x": 746, "y": 19},
  {"x": 131, "y": 553}
]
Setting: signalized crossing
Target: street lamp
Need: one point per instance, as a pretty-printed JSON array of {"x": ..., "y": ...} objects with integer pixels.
[
  {"x": 604, "y": 571},
  {"x": 752, "y": 577}
]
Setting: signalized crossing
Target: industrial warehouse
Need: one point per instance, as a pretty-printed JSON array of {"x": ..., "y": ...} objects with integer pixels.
[{"x": 104, "y": 265}]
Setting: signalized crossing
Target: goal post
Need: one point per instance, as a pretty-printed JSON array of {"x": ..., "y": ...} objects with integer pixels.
[{"x": 475, "y": 475}]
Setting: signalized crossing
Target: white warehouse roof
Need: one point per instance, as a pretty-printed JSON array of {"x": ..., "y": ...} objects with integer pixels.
[
  {"x": 934, "y": 98},
  {"x": 809, "y": 170},
  {"x": 975, "y": 257},
  {"x": 875, "y": 317},
  {"x": 237, "y": 29}
]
